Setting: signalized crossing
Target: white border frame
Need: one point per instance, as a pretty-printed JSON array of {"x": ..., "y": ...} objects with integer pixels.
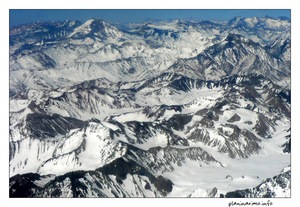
[{"x": 135, "y": 4}]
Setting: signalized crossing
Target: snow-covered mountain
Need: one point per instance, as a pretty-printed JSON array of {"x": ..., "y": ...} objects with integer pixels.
[{"x": 151, "y": 110}]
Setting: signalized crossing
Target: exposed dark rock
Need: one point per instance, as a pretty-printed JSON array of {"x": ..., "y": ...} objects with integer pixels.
[
  {"x": 229, "y": 177},
  {"x": 287, "y": 146},
  {"x": 199, "y": 135},
  {"x": 276, "y": 104},
  {"x": 212, "y": 116},
  {"x": 238, "y": 194},
  {"x": 236, "y": 131},
  {"x": 234, "y": 118},
  {"x": 43, "y": 126},
  {"x": 264, "y": 126},
  {"x": 179, "y": 156},
  {"x": 79, "y": 183},
  {"x": 248, "y": 122},
  {"x": 178, "y": 122},
  {"x": 120, "y": 168},
  {"x": 285, "y": 95},
  {"x": 234, "y": 143},
  {"x": 146, "y": 130},
  {"x": 250, "y": 93},
  {"x": 22, "y": 186},
  {"x": 163, "y": 185},
  {"x": 212, "y": 193},
  {"x": 202, "y": 112},
  {"x": 206, "y": 122}
]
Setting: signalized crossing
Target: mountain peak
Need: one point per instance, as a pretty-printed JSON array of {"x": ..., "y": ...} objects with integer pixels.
[
  {"x": 236, "y": 38},
  {"x": 95, "y": 22},
  {"x": 89, "y": 26},
  {"x": 95, "y": 28},
  {"x": 234, "y": 21}
]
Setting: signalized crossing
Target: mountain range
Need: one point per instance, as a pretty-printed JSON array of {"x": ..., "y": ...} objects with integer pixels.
[{"x": 155, "y": 109}]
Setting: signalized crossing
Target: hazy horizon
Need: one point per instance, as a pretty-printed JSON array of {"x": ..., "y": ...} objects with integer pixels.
[{"x": 25, "y": 16}]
